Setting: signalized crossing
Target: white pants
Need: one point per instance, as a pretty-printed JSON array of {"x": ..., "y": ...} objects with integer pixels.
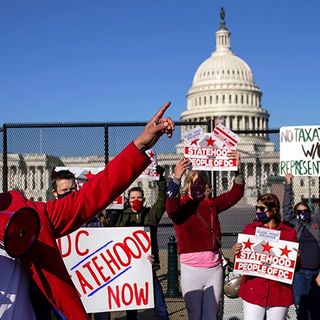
[
  {"x": 201, "y": 290},
  {"x": 255, "y": 312}
]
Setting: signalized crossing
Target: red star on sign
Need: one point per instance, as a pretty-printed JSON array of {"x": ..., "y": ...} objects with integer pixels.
[
  {"x": 195, "y": 141},
  {"x": 285, "y": 251},
  {"x": 210, "y": 141},
  {"x": 248, "y": 244},
  {"x": 89, "y": 175},
  {"x": 266, "y": 247},
  {"x": 151, "y": 154}
]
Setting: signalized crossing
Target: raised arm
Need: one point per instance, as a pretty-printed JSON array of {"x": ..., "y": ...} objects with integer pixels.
[
  {"x": 69, "y": 213},
  {"x": 173, "y": 193},
  {"x": 228, "y": 199},
  {"x": 287, "y": 209},
  {"x": 157, "y": 210}
]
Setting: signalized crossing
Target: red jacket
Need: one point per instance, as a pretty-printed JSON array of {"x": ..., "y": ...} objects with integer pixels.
[
  {"x": 265, "y": 292},
  {"x": 61, "y": 217},
  {"x": 196, "y": 223}
]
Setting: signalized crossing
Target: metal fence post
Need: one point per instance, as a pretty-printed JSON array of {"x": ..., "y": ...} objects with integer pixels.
[
  {"x": 5, "y": 159},
  {"x": 172, "y": 275}
]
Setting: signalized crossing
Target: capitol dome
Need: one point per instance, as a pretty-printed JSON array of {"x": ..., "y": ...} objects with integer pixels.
[
  {"x": 223, "y": 87},
  {"x": 227, "y": 68}
]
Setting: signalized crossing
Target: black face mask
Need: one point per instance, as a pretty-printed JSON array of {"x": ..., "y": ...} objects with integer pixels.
[{"x": 60, "y": 196}]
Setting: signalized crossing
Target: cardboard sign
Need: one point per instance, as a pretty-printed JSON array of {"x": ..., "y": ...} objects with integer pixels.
[
  {"x": 275, "y": 260},
  {"x": 150, "y": 173},
  {"x": 225, "y": 137},
  {"x": 300, "y": 150},
  {"x": 212, "y": 151},
  {"x": 117, "y": 204},
  {"x": 109, "y": 267}
]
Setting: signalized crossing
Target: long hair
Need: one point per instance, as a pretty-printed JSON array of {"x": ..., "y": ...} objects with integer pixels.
[
  {"x": 202, "y": 175},
  {"x": 271, "y": 201}
]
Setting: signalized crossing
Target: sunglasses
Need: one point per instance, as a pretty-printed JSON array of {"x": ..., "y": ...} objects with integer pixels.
[
  {"x": 303, "y": 211},
  {"x": 261, "y": 208}
]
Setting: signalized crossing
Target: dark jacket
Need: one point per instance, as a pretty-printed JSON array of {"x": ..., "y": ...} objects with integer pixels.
[
  {"x": 148, "y": 217},
  {"x": 290, "y": 217}
]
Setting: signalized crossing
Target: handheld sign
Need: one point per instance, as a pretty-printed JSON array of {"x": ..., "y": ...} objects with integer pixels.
[
  {"x": 150, "y": 173},
  {"x": 265, "y": 256},
  {"x": 214, "y": 151},
  {"x": 109, "y": 267},
  {"x": 300, "y": 150}
]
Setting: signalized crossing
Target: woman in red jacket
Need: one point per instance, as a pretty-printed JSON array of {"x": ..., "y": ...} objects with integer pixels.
[
  {"x": 195, "y": 220},
  {"x": 264, "y": 298}
]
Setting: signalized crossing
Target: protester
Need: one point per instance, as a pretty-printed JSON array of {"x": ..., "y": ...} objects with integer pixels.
[
  {"x": 63, "y": 183},
  {"x": 60, "y": 217},
  {"x": 135, "y": 215},
  {"x": 305, "y": 289},
  {"x": 195, "y": 219},
  {"x": 265, "y": 299}
]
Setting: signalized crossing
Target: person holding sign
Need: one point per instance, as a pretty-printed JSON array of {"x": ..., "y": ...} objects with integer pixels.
[
  {"x": 305, "y": 289},
  {"x": 61, "y": 217},
  {"x": 264, "y": 298},
  {"x": 195, "y": 219},
  {"x": 137, "y": 214}
]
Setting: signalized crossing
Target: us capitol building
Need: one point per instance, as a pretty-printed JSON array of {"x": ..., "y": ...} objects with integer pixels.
[{"x": 223, "y": 90}]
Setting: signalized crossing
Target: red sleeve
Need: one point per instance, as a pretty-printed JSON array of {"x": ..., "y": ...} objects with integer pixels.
[
  {"x": 71, "y": 212},
  {"x": 173, "y": 207},
  {"x": 226, "y": 200}
]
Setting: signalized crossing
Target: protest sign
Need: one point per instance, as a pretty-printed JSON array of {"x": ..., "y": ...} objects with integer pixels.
[
  {"x": 109, "y": 267},
  {"x": 211, "y": 151},
  {"x": 265, "y": 256},
  {"x": 225, "y": 137},
  {"x": 150, "y": 173},
  {"x": 300, "y": 150},
  {"x": 117, "y": 204}
]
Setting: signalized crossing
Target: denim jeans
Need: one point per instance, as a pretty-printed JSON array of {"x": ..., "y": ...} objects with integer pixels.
[
  {"x": 160, "y": 307},
  {"x": 306, "y": 295}
]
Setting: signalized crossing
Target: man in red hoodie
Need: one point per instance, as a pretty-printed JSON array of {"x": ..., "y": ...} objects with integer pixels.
[{"x": 60, "y": 217}]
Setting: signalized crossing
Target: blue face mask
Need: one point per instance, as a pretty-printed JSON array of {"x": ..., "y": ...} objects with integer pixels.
[
  {"x": 262, "y": 217},
  {"x": 304, "y": 215}
]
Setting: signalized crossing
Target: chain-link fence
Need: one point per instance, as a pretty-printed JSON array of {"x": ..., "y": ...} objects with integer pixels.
[{"x": 30, "y": 151}]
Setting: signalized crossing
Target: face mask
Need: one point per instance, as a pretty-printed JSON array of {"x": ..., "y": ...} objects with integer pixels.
[
  {"x": 60, "y": 196},
  {"x": 304, "y": 215},
  {"x": 137, "y": 205},
  {"x": 262, "y": 217},
  {"x": 197, "y": 191}
]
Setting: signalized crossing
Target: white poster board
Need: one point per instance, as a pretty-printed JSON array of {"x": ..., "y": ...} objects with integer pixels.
[
  {"x": 300, "y": 150},
  {"x": 215, "y": 151},
  {"x": 150, "y": 172},
  {"x": 109, "y": 267},
  {"x": 265, "y": 256}
]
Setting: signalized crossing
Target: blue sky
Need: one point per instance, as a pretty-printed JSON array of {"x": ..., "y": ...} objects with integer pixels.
[{"x": 118, "y": 60}]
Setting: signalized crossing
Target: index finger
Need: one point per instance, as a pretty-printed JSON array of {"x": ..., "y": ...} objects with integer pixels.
[{"x": 161, "y": 112}]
